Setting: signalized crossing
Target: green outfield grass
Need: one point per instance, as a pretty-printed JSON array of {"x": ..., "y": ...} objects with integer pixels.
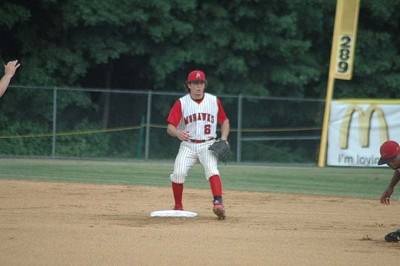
[{"x": 335, "y": 181}]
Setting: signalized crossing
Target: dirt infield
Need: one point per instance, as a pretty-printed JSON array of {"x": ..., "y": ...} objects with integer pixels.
[{"x": 43, "y": 223}]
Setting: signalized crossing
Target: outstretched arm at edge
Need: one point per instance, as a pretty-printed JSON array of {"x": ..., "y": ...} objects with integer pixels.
[{"x": 9, "y": 72}]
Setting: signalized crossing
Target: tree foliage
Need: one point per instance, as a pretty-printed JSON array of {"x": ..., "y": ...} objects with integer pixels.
[{"x": 275, "y": 47}]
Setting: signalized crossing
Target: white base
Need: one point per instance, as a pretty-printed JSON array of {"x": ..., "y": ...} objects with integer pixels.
[{"x": 173, "y": 213}]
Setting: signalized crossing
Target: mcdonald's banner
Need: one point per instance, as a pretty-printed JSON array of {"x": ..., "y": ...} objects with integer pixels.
[{"x": 357, "y": 128}]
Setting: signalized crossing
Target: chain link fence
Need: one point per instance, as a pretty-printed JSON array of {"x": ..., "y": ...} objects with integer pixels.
[{"x": 59, "y": 122}]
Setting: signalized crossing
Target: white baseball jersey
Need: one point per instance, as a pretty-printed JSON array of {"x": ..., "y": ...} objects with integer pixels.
[{"x": 200, "y": 119}]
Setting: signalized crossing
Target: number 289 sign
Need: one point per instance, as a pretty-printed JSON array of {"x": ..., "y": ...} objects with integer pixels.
[{"x": 345, "y": 57}]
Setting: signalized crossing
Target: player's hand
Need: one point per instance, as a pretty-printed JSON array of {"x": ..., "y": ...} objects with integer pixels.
[
  {"x": 385, "y": 198},
  {"x": 183, "y": 135},
  {"x": 10, "y": 68}
]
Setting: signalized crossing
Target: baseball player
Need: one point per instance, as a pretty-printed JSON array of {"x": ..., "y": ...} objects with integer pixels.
[
  {"x": 390, "y": 151},
  {"x": 9, "y": 72},
  {"x": 193, "y": 120}
]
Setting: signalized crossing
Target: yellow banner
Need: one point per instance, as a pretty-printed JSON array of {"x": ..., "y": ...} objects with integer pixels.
[{"x": 344, "y": 39}]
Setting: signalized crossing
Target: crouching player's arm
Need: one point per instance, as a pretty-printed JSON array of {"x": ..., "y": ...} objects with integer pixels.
[{"x": 385, "y": 198}]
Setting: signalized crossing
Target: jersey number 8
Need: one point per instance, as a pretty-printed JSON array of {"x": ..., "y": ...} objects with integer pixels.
[{"x": 207, "y": 129}]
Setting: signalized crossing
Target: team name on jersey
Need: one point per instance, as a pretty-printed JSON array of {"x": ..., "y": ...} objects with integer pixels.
[{"x": 198, "y": 117}]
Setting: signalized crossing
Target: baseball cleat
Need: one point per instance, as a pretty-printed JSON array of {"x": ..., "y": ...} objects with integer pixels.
[
  {"x": 219, "y": 210},
  {"x": 393, "y": 236}
]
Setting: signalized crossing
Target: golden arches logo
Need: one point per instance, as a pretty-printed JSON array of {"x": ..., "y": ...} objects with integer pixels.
[{"x": 364, "y": 125}]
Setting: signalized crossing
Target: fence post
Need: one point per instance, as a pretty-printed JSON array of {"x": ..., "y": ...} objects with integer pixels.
[
  {"x": 239, "y": 129},
  {"x": 53, "y": 145},
  {"x": 146, "y": 151},
  {"x": 140, "y": 142}
]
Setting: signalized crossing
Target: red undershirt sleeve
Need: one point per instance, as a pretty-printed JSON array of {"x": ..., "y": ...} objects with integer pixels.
[
  {"x": 175, "y": 114},
  {"x": 221, "y": 112}
]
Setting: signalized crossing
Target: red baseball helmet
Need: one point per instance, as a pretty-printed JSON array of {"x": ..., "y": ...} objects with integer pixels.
[
  {"x": 389, "y": 151},
  {"x": 196, "y": 75}
]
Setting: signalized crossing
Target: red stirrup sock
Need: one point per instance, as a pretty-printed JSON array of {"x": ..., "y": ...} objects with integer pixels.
[
  {"x": 216, "y": 186},
  {"x": 177, "y": 189}
]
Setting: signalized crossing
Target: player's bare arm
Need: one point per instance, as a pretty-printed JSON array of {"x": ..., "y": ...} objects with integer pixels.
[
  {"x": 225, "y": 127},
  {"x": 9, "y": 71},
  {"x": 174, "y": 132},
  {"x": 385, "y": 198}
]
